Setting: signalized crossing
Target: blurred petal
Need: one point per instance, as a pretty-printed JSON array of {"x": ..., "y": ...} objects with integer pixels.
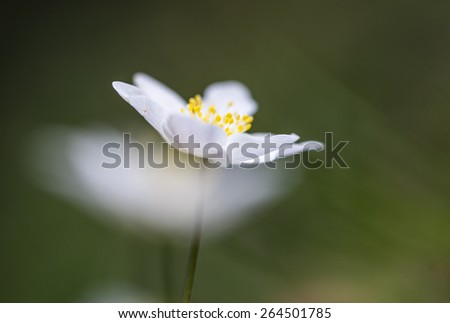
[
  {"x": 165, "y": 200},
  {"x": 117, "y": 293},
  {"x": 239, "y": 192}
]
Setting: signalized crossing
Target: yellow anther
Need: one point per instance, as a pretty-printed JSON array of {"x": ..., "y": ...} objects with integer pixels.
[
  {"x": 231, "y": 122},
  {"x": 248, "y": 119}
]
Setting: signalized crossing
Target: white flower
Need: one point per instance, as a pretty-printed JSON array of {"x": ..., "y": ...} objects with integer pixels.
[
  {"x": 223, "y": 116},
  {"x": 165, "y": 200}
]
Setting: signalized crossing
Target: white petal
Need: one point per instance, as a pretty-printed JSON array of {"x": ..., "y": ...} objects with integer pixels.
[
  {"x": 239, "y": 146},
  {"x": 202, "y": 134},
  {"x": 301, "y": 147},
  {"x": 221, "y": 94},
  {"x": 288, "y": 149},
  {"x": 159, "y": 92},
  {"x": 151, "y": 111},
  {"x": 127, "y": 90},
  {"x": 250, "y": 149}
]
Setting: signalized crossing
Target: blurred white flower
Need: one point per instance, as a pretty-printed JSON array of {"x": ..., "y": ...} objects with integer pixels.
[
  {"x": 165, "y": 199},
  {"x": 117, "y": 293},
  {"x": 222, "y": 116}
]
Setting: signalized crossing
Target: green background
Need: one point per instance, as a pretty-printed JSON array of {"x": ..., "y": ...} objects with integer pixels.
[{"x": 374, "y": 73}]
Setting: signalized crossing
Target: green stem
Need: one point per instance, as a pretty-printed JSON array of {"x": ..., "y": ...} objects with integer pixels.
[
  {"x": 191, "y": 265},
  {"x": 195, "y": 243},
  {"x": 166, "y": 256}
]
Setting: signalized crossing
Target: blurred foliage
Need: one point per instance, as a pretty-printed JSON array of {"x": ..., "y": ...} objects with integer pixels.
[{"x": 376, "y": 74}]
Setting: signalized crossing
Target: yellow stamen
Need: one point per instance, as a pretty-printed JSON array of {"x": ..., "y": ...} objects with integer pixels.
[
  {"x": 248, "y": 119},
  {"x": 231, "y": 122}
]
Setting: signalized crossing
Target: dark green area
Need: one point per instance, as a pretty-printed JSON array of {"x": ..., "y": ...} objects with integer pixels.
[{"x": 376, "y": 74}]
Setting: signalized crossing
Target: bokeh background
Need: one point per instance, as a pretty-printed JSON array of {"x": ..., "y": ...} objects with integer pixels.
[{"x": 374, "y": 73}]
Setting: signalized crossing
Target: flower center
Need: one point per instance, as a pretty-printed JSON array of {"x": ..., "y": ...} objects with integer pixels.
[{"x": 229, "y": 122}]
